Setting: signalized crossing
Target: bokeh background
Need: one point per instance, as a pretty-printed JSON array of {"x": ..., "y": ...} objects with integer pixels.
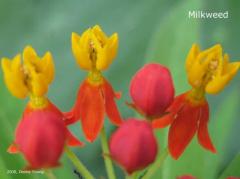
[{"x": 149, "y": 31}]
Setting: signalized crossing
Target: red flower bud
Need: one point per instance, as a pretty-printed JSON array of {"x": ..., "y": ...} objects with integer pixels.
[
  {"x": 133, "y": 145},
  {"x": 152, "y": 89},
  {"x": 41, "y": 136}
]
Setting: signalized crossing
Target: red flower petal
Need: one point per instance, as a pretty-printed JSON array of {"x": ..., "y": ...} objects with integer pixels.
[
  {"x": 203, "y": 135},
  {"x": 182, "y": 129},
  {"x": 69, "y": 118},
  {"x": 92, "y": 111},
  {"x": 167, "y": 119},
  {"x": 72, "y": 140},
  {"x": 163, "y": 121},
  {"x": 111, "y": 107},
  {"x": 74, "y": 115}
]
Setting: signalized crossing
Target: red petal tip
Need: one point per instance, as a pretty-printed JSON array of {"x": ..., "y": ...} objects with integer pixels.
[
  {"x": 174, "y": 155},
  {"x": 182, "y": 130},
  {"x": 163, "y": 121},
  {"x": 90, "y": 139},
  {"x": 13, "y": 149},
  {"x": 73, "y": 141},
  {"x": 118, "y": 95},
  {"x": 110, "y": 105},
  {"x": 204, "y": 138},
  {"x": 69, "y": 118}
]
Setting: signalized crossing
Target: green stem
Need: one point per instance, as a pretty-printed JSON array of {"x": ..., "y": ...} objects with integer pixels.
[
  {"x": 78, "y": 164},
  {"x": 132, "y": 176},
  {"x": 107, "y": 160},
  {"x": 50, "y": 174},
  {"x": 129, "y": 177},
  {"x": 156, "y": 165}
]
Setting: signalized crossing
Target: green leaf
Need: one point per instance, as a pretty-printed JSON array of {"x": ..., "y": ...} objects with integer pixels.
[
  {"x": 232, "y": 169},
  {"x": 3, "y": 170}
]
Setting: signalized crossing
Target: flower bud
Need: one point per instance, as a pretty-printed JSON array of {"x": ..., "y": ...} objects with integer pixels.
[
  {"x": 133, "y": 145},
  {"x": 41, "y": 136},
  {"x": 152, "y": 89}
]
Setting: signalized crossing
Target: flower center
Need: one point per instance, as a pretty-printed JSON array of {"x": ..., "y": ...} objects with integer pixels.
[
  {"x": 210, "y": 72},
  {"x": 36, "y": 102},
  {"x": 26, "y": 77},
  {"x": 93, "y": 54},
  {"x": 196, "y": 95},
  {"x": 94, "y": 76}
]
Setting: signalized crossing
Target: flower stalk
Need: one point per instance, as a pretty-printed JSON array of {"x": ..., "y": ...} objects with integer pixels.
[
  {"x": 50, "y": 174},
  {"x": 78, "y": 164},
  {"x": 107, "y": 160},
  {"x": 132, "y": 176},
  {"x": 157, "y": 164}
]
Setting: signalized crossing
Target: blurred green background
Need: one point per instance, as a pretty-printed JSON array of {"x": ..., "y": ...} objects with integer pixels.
[{"x": 149, "y": 31}]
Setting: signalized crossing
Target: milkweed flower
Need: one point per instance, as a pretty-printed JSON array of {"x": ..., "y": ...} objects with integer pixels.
[
  {"x": 152, "y": 90},
  {"x": 208, "y": 71},
  {"x": 133, "y": 145},
  {"x": 41, "y": 133},
  {"x": 94, "y": 51}
]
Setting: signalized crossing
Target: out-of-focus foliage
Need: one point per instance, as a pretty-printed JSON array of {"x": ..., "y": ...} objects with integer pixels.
[
  {"x": 149, "y": 31},
  {"x": 232, "y": 169}
]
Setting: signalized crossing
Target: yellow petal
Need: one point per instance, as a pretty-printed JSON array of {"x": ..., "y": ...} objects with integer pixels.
[
  {"x": 110, "y": 52},
  {"x": 101, "y": 36},
  {"x": 39, "y": 70},
  {"x": 14, "y": 76},
  {"x": 215, "y": 52},
  {"x": 218, "y": 83},
  {"x": 100, "y": 55},
  {"x": 96, "y": 43},
  {"x": 195, "y": 75},
  {"x": 80, "y": 49},
  {"x": 219, "y": 63},
  {"x": 198, "y": 70},
  {"x": 39, "y": 85},
  {"x": 232, "y": 68},
  {"x": 112, "y": 46},
  {"x": 217, "y": 49},
  {"x": 192, "y": 55},
  {"x": 6, "y": 65},
  {"x": 225, "y": 62},
  {"x": 30, "y": 55},
  {"x": 47, "y": 66}
]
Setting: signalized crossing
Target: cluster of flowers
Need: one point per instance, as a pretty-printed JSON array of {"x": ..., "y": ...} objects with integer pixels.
[{"x": 42, "y": 132}]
